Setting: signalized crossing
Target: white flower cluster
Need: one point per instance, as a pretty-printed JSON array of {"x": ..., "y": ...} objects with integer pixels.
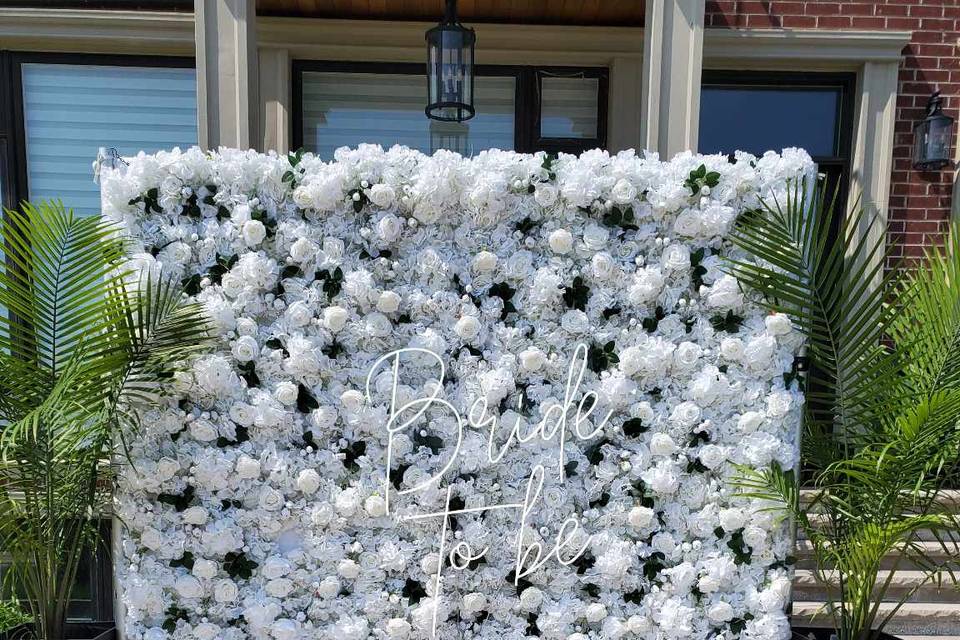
[{"x": 271, "y": 497}]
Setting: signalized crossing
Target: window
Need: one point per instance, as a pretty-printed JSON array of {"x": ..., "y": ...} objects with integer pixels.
[
  {"x": 70, "y": 110},
  {"x": 522, "y": 108},
  {"x": 756, "y": 112},
  {"x": 56, "y": 110}
]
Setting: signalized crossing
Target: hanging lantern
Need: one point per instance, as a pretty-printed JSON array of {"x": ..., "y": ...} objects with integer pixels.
[
  {"x": 932, "y": 137},
  {"x": 450, "y": 69}
]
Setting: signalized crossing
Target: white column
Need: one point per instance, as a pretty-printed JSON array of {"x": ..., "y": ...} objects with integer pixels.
[
  {"x": 873, "y": 139},
  {"x": 624, "y": 104},
  {"x": 226, "y": 72},
  {"x": 672, "y": 64},
  {"x": 275, "y": 99}
]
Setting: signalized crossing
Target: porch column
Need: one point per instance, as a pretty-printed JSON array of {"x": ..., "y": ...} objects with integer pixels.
[
  {"x": 226, "y": 48},
  {"x": 672, "y": 63}
]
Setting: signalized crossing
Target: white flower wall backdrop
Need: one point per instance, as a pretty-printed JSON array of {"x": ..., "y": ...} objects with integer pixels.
[{"x": 576, "y": 380}]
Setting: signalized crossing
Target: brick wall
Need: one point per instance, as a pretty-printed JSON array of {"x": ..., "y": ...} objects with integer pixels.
[{"x": 919, "y": 201}]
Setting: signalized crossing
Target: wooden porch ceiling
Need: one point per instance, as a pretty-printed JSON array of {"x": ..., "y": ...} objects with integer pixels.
[{"x": 621, "y": 13}]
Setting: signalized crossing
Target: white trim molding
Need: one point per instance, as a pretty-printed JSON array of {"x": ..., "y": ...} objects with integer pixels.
[
  {"x": 875, "y": 57},
  {"x": 670, "y": 113},
  {"x": 97, "y": 31}
]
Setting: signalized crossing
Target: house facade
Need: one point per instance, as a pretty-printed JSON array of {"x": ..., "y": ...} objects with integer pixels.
[{"x": 847, "y": 80}]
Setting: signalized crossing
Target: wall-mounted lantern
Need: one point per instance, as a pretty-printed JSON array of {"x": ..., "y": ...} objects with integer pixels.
[
  {"x": 450, "y": 69},
  {"x": 932, "y": 137}
]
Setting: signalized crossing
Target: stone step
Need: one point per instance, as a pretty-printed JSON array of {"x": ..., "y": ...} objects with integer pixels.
[
  {"x": 914, "y": 618},
  {"x": 806, "y": 587},
  {"x": 934, "y": 550}
]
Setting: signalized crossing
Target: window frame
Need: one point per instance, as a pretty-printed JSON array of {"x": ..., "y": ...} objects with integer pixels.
[
  {"x": 837, "y": 167},
  {"x": 526, "y": 118}
]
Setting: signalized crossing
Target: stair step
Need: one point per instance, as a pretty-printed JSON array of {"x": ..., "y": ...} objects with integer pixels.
[
  {"x": 806, "y": 587},
  {"x": 933, "y": 549},
  {"x": 914, "y": 618}
]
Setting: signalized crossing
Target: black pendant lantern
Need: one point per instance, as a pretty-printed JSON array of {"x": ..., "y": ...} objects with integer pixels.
[
  {"x": 450, "y": 69},
  {"x": 932, "y": 137}
]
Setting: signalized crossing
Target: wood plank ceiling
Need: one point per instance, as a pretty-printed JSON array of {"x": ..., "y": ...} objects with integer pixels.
[{"x": 625, "y": 13}]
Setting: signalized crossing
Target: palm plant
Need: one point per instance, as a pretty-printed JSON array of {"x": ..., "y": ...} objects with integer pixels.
[
  {"x": 881, "y": 435},
  {"x": 82, "y": 343}
]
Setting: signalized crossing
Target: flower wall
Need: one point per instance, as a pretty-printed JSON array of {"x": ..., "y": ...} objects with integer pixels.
[{"x": 499, "y": 397}]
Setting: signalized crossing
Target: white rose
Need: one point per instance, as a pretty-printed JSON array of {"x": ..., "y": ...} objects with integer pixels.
[
  {"x": 167, "y": 467},
  {"x": 623, "y": 192},
  {"x": 647, "y": 283},
  {"x": 725, "y": 293},
  {"x": 286, "y": 393},
  {"x": 352, "y": 400},
  {"x": 389, "y": 228},
  {"x": 285, "y": 629},
  {"x": 467, "y": 327},
  {"x": 275, "y": 567},
  {"x": 308, "y": 481},
  {"x": 595, "y": 237},
  {"x": 561, "y": 241},
  {"x": 375, "y": 506},
  {"x": 270, "y": 499},
  {"x": 641, "y": 517},
  {"x": 474, "y": 602},
  {"x": 759, "y": 351},
  {"x": 334, "y": 318},
  {"x": 203, "y": 431},
  {"x": 731, "y": 348},
  {"x": 484, "y": 262},
  {"x": 532, "y": 359},
  {"x": 195, "y": 515},
  {"x": 688, "y": 224},
  {"x": 398, "y": 628},
  {"x": 204, "y": 569},
  {"x": 205, "y": 631},
  {"x": 254, "y": 232},
  {"x": 303, "y": 249},
  {"x": 778, "y": 324},
  {"x": 279, "y": 587},
  {"x": 388, "y": 302},
  {"x": 779, "y": 404},
  {"x": 676, "y": 257},
  {"x": 329, "y": 587},
  {"x": 545, "y": 194},
  {"x": 299, "y": 313},
  {"x": 661, "y": 444},
  {"x": 603, "y": 266},
  {"x": 732, "y": 519},
  {"x": 246, "y": 327},
  {"x": 530, "y": 598},
  {"x": 245, "y": 349},
  {"x": 595, "y": 612},
  {"x": 686, "y": 355},
  {"x": 225, "y": 591},
  {"x": 188, "y": 587},
  {"x": 686, "y": 414},
  {"x": 720, "y": 612},
  {"x": 348, "y": 569},
  {"x": 712, "y": 456},
  {"x": 382, "y": 195},
  {"x": 248, "y": 468}
]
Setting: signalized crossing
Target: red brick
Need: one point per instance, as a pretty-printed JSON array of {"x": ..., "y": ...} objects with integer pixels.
[
  {"x": 851, "y": 9},
  {"x": 799, "y": 22},
  {"x": 763, "y": 21},
  {"x": 863, "y": 22},
  {"x": 926, "y": 10},
  {"x": 907, "y": 24},
  {"x": 886, "y": 9},
  {"x": 834, "y": 22},
  {"x": 823, "y": 8}
]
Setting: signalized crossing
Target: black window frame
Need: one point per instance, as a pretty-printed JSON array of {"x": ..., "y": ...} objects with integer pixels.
[
  {"x": 527, "y": 79},
  {"x": 837, "y": 167},
  {"x": 16, "y": 189}
]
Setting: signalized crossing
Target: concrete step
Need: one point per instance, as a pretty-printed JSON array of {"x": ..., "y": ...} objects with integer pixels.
[
  {"x": 914, "y": 618},
  {"x": 807, "y": 588}
]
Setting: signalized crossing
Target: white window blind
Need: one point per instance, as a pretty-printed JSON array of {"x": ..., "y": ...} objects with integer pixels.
[
  {"x": 568, "y": 107},
  {"x": 345, "y": 109},
  {"x": 72, "y": 110}
]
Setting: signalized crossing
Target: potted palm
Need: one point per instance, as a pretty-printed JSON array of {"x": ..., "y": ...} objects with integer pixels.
[
  {"x": 881, "y": 433},
  {"x": 82, "y": 341}
]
